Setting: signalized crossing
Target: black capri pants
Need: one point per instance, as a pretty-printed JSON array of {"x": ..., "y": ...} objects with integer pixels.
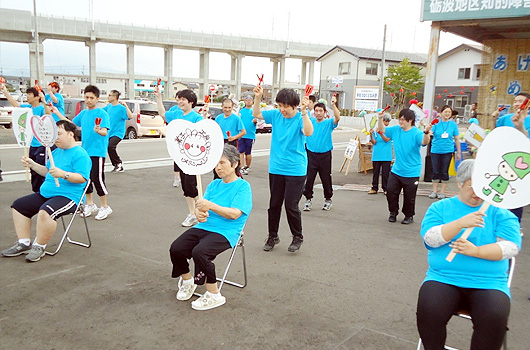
[
  {"x": 189, "y": 182},
  {"x": 437, "y": 302},
  {"x": 56, "y": 207},
  {"x": 201, "y": 245},
  {"x": 440, "y": 166}
]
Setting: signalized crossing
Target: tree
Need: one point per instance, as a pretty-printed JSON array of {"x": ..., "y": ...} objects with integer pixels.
[{"x": 402, "y": 83}]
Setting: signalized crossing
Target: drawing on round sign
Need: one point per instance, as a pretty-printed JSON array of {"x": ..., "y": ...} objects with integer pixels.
[
  {"x": 195, "y": 147},
  {"x": 513, "y": 167}
]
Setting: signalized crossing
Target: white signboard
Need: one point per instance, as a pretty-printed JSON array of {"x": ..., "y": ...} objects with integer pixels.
[
  {"x": 367, "y": 105},
  {"x": 350, "y": 149},
  {"x": 475, "y": 135},
  {"x": 337, "y": 80},
  {"x": 366, "y": 93}
]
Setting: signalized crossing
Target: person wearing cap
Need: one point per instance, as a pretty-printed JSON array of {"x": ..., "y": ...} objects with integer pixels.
[
  {"x": 246, "y": 142},
  {"x": 319, "y": 152},
  {"x": 55, "y": 97},
  {"x": 381, "y": 157}
]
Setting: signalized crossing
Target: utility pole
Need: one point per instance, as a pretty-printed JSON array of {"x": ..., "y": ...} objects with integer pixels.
[
  {"x": 36, "y": 36},
  {"x": 382, "y": 79}
]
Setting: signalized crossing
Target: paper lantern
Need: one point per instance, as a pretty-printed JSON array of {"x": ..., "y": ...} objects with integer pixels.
[
  {"x": 388, "y": 82},
  {"x": 462, "y": 87},
  {"x": 450, "y": 95},
  {"x": 461, "y": 92},
  {"x": 401, "y": 90},
  {"x": 439, "y": 96},
  {"x": 445, "y": 90},
  {"x": 472, "y": 88},
  {"x": 414, "y": 93},
  {"x": 392, "y": 94}
]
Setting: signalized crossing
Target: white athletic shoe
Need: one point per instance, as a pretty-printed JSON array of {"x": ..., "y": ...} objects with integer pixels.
[
  {"x": 208, "y": 301},
  {"x": 176, "y": 183},
  {"x": 103, "y": 213},
  {"x": 88, "y": 210},
  {"x": 190, "y": 221}
]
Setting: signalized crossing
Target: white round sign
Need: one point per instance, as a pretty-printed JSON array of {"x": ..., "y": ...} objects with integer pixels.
[
  {"x": 195, "y": 147},
  {"x": 212, "y": 87},
  {"x": 21, "y": 125},
  {"x": 502, "y": 167}
]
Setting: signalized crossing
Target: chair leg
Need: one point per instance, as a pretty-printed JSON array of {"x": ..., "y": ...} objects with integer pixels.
[
  {"x": 236, "y": 284},
  {"x": 65, "y": 236}
]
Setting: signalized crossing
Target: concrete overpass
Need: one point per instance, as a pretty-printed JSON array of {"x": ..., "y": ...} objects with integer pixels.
[{"x": 17, "y": 26}]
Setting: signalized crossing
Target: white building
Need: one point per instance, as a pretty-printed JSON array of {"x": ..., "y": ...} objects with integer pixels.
[
  {"x": 343, "y": 68},
  {"x": 458, "y": 77}
]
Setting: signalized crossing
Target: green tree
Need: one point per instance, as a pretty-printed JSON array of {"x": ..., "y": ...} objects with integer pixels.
[{"x": 403, "y": 82}]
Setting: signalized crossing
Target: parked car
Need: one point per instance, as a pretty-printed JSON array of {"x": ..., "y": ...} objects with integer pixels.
[
  {"x": 214, "y": 109},
  {"x": 262, "y": 127},
  {"x": 73, "y": 106},
  {"x": 168, "y": 104},
  {"x": 5, "y": 113},
  {"x": 146, "y": 120}
]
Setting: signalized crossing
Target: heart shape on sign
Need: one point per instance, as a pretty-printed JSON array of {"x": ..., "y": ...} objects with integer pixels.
[
  {"x": 44, "y": 129},
  {"x": 501, "y": 169},
  {"x": 195, "y": 147},
  {"x": 520, "y": 164}
]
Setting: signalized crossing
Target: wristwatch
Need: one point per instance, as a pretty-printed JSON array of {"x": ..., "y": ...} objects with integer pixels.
[{"x": 66, "y": 176}]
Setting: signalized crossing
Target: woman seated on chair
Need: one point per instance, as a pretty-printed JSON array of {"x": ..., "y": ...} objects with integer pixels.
[
  {"x": 72, "y": 169},
  {"x": 477, "y": 279},
  {"x": 222, "y": 215}
]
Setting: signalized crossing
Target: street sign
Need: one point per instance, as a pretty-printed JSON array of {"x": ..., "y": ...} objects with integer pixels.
[{"x": 212, "y": 87}]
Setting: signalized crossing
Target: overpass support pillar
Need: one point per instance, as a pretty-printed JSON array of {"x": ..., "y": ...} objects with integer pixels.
[
  {"x": 204, "y": 71},
  {"x": 168, "y": 72},
  {"x": 33, "y": 63},
  {"x": 130, "y": 71},
  {"x": 235, "y": 74},
  {"x": 274, "y": 87},
  {"x": 92, "y": 60}
]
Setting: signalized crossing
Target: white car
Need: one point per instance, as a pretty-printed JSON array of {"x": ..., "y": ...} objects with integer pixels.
[
  {"x": 5, "y": 113},
  {"x": 146, "y": 120}
]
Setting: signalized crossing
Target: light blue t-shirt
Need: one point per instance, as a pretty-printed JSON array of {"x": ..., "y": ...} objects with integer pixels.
[
  {"x": 320, "y": 141},
  {"x": 95, "y": 144},
  {"x": 232, "y": 124},
  {"x": 250, "y": 127},
  {"x": 59, "y": 105},
  {"x": 173, "y": 113},
  {"x": 441, "y": 145},
  {"x": 236, "y": 194},
  {"x": 407, "y": 150},
  {"x": 72, "y": 160},
  {"x": 465, "y": 271},
  {"x": 506, "y": 120},
  {"x": 288, "y": 155},
  {"x": 117, "y": 116},
  {"x": 39, "y": 110},
  {"x": 382, "y": 151}
]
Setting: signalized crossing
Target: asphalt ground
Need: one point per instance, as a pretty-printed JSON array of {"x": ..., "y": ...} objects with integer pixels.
[{"x": 353, "y": 284}]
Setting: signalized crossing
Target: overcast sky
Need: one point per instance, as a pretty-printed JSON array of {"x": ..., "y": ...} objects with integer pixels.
[{"x": 342, "y": 22}]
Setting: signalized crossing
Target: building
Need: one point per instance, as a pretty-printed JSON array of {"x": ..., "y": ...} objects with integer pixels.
[
  {"x": 458, "y": 78},
  {"x": 344, "y": 68},
  {"x": 74, "y": 85}
]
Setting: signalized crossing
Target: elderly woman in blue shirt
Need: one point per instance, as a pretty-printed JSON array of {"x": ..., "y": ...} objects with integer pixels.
[{"x": 477, "y": 278}]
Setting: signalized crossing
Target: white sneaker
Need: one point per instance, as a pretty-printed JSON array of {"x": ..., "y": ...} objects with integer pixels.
[
  {"x": 88, "y": 210},
  {"x": 190, "y": 221},
  {"x": 103, "y": 213},
  {"x": 327, "y": 204},
  {"x": 433, "y": 195},
  {"x": 307, "y": 205},
  {"x": 186, "y": 290},
  {"x": 208, "y": 301},
  {"x": 176, "y": 183}
]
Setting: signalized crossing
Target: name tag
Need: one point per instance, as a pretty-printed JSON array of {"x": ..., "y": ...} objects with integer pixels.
[{"x": 445, "y": 135}]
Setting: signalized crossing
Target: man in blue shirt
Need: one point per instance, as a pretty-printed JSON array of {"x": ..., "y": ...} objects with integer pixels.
[
  {"x": 118, "y": 113},
  {"x": 319, "y": 153},
  {"x": 72, "y": 169},
  {"x": 246, "y": 142},
  {"x": 95, "y": 126},
  {"x": 381, "y": 157},
  {"x": 407, "y": 141},
  {"x": 37, "y": 152},
  {"x": 521, "y": 121},
  {"x": 287, "y": 162},
  {"x": 231, "y": 124},
  {"x": 55, "y": 97}
]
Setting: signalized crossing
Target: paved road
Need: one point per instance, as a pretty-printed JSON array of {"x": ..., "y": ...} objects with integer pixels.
[{"x": 353, "y": 284}]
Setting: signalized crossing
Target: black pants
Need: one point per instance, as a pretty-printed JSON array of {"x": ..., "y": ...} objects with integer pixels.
[
  {"x": 286, "y": 189},
  {"x": 38, "y": 155},
  {"x": 189, "y": 182},
  {"x": 518, "y": 212},
  {"x": 203, "y": 246},
  {"x": 382, "y": 167},
  {"x": 437, "y": 302},
  {"x": 321, "y": 163},
  {"x": 440, "y": 166},
  {"x": 97, "y": 177},
  {"x": 113, "y": 154},
  {"x": 409, "y": 186}
]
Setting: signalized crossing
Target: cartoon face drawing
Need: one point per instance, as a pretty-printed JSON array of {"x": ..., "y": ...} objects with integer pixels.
[
  {"x": 195, "y": 146},
  {"x": 506, "y": 172}
]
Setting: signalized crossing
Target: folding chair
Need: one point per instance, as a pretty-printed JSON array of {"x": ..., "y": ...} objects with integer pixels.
[
  {"x": 465, "y": 314},
  {"x": 78, "y": 209},
  {"x": 223, "y": 280}
]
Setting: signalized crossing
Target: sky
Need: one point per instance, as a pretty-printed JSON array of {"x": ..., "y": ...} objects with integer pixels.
[{"x": 357, "y": 23}]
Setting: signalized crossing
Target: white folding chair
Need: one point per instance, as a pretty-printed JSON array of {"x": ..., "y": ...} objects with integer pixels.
[
  {"x": 78, "y": 209},
  {"x": 223, "y": 280},
  {"x": 464, "y": 313}
]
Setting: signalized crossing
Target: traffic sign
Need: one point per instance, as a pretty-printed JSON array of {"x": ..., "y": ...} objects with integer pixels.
[{"x": 212, "y": 87}]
